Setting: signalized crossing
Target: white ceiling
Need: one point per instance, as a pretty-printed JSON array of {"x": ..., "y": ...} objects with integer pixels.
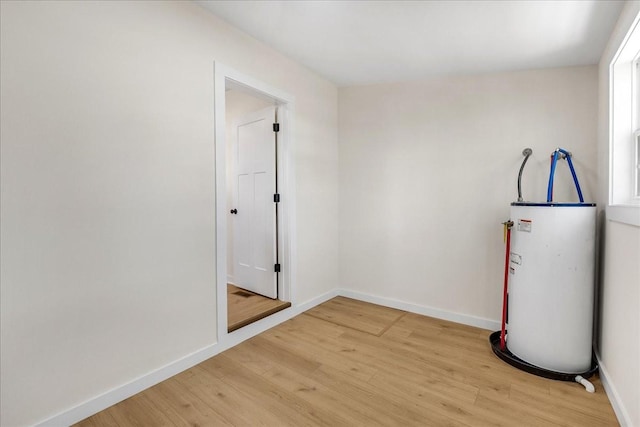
[{"x": 366, "y": 42}]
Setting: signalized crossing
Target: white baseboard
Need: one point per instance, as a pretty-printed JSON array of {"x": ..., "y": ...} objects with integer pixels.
[
  {"x": 465, "y": 319},
  {"x": 118, "y": 394},
  {"x": 618, "y": 407},
  {"x": 111, "y": 397}
]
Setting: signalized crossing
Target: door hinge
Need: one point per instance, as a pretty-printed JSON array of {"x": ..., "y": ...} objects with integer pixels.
[
  {"x": 276, "y": 198},
  {"x": 276, "y": 127},
  {"x": 276, "y": 268}
]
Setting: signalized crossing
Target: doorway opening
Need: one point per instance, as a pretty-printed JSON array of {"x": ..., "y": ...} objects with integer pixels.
[
  {"x": 254, "y": 200},
  {"x": 253, "y": 267}
]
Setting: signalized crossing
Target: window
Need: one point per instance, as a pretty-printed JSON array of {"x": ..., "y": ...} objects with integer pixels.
[
  {"x": 635, "y": 153},
  {"x": 637, "y": 161},
  {"x": 624, "y": 143}
]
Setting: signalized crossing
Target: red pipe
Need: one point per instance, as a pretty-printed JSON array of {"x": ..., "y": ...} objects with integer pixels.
[{"x": 507, "y": 225}]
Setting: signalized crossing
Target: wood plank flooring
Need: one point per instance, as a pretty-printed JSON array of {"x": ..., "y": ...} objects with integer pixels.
[
  {"x": 244, "y": 307},
  {"x": 365, "y": 365},
  {"x": 370, "y": 318}
]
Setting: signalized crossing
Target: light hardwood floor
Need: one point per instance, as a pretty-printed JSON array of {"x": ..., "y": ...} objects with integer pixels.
[
  {"x": 349, "y": 363},
  {"x": 244, "y": 307}
]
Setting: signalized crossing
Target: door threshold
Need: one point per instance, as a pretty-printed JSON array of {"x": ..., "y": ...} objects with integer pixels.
[
  {"x": 245, "y": 307},
  {"x": 257, "y": 317}
]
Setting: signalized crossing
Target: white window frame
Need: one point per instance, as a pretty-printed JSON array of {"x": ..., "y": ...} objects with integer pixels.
[
  {"x": 624, "y": 126},
  {"x": 636, "y": 161}
]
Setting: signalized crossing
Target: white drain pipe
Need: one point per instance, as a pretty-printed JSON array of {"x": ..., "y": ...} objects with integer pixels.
[{"x": 585, "y": 382}]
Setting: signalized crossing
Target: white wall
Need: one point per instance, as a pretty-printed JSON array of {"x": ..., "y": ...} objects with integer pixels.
[
  {"x": 428, "y": 169},
  {"x": 107, "y": 198},
  {"x": 619, "y": 326}
]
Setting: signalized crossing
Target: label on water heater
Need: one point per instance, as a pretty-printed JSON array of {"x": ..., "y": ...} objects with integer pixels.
[{"x": 524, "y": 225}]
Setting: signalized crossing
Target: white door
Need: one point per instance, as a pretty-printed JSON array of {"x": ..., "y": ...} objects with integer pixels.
[{"x": 254, "y": 211}]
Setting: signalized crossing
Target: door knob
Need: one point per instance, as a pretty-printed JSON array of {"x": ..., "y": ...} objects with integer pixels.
[{"x": 234, "y": 211}]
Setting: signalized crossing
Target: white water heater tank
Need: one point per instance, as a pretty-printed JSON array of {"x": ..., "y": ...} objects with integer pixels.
[{"x": 551, "y": 285}]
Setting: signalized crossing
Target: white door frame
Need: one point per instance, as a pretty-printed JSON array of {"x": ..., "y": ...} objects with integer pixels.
[{"x": 286, "y": 187}]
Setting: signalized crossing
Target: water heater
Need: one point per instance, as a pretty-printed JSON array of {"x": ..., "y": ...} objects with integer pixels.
[
  {"x": 551, "y": 285},
  {"x": 548, "y": 295}
]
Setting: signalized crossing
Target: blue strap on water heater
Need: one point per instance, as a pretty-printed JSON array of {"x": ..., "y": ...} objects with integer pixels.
[
  {"x": 573, "y": 173},
  {"x": 553, "y": 171}
]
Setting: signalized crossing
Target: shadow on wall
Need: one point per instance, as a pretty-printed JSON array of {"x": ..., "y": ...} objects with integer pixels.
[{"x": 601, "y": 231}]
